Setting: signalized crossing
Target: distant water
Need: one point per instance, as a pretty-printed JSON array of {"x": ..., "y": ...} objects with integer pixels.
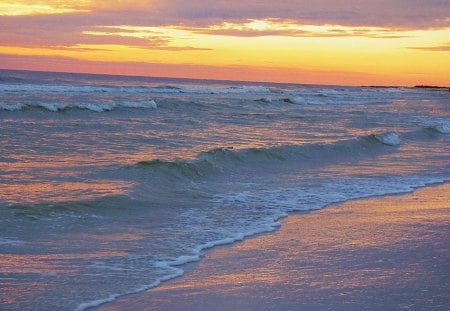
[{"x": 109, "y": 184}]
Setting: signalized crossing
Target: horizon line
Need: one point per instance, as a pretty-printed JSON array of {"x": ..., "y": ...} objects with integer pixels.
[{"x": 217, "y": 80}]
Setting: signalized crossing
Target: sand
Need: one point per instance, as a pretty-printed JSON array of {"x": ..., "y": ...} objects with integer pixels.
[{"x": 390, "y": 253}]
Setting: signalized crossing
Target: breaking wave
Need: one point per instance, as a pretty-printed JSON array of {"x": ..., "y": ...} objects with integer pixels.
[
  {"x": 337, "y": 98},
  {"x": 443, "y": 128},
  {"x": 97, "y": 107},
  {"x": 12, "y": 84},
  {"x": 389, "y": 138},
  {"x": 220, "y": 160}
]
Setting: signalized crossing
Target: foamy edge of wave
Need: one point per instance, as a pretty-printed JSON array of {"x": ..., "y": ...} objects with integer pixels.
[
  {"x": 56, "y": 107},
  {"x": 443, "y": 128},
  {"x": 389, "y": 138},
  {"x": 173, "y": 264},
  {"x": 270, "y": 226},
  {"x": 334, "y": 99},
  {"x": 161, "y": 89}
]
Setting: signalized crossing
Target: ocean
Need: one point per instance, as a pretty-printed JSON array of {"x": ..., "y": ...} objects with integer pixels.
[{"x": 110, "y": 184}]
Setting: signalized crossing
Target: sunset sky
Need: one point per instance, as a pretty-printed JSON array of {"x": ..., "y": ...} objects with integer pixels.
[{"x": 384, "y": 42}]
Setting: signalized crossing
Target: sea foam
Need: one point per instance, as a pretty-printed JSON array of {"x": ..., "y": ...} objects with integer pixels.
[
  {"x": 443, "y": 128},
  {"x": 96, "y": 107},
  {"x": 390, "y": 139}
]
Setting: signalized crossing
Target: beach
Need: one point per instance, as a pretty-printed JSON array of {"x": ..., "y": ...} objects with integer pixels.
[
  {"x": 112, "y": 186},
  {"x": 380, "y": 253},
  {"x": 224, "y": 155}
]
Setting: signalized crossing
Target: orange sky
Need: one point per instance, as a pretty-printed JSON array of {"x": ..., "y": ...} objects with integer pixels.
[{"x": 395, "y": 42}]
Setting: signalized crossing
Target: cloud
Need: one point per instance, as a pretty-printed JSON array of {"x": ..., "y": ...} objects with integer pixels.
[
  {"x": 85, "y": 24},
  {"x": 290, "y": 28},
  {"x": 24, "y": 7},
  {"x": 439, "y": 48},
  {"x": 153, "y": 39},
  {"x": 411, "y": 14},
  {"x": 71, "y": 30},
  {"x": 76, "y": 48}
]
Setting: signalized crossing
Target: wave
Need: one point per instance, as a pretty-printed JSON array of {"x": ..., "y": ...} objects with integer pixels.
[
  {"x": 173, "y": 266},
  {"x": 389, "y": 138},
  {"x": 337, "y": 98},
  {"x": 12, "y": 80},
  {"x": 442, "y": 128},
  {"x": 265, "y": 100},
  {"x": 97, "y": 107},
  {"x": 297, "y": 100},
  {"x": 11, "y": 84},
  {"x": 178, "y": 168},
  {"x": 83, "y": 209},
  {"x": 209, "y": 90},
  {"x": 230, "y": 159}
]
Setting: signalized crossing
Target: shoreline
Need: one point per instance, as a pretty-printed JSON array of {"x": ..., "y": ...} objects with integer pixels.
[{"x": 198, "y": 273}]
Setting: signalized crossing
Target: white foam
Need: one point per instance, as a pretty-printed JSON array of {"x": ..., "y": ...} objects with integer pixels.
[
  {"x": 298, "y": 100},
  {"x": 10, "y": 241},
  {"x": 176, "y": 272},
  {"x": 11, "y": 107},
  {"x": 330, "y": 99},
  {"x": 265, "y": 100},
  {"x": 96, "y": 107},
  {"x": 270, "y": 224},
  {"x": 281, "y": 201},
  {"x": 329, "y": 92},
  {"x": 144, "y": 104},
  {"x": 298, "y": 199},
  {"x": 390, "y": 139},
  {"x": 96, "y": 303},
  {"x": 51, "y": 106},
  {"x": 343, "y": 96},
  {"x": 181, "y": 260},
  {"x": 443, "y": 128},
  {"x": 226, "y": 90}
]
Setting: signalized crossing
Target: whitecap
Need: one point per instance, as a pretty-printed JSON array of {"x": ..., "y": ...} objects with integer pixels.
[
  {"x": 443, "y": 128},
  {"x": 298, "y": 100},
  {"x": 96, "y": 107},
  {"x": 10, "y": 241},
  {"x": 390, "y": 139},
  {"x": 11, "y": 107}
]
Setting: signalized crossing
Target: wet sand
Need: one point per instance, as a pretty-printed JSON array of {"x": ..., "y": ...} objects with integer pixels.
[{"x": 390, "y": 253}]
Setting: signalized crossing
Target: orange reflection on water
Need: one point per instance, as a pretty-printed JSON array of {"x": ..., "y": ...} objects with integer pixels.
[
  {"x": 111, "y": 237},
  {"x": 35, "y": 192},
  {"x": 49, "y": 263},
  {"x": 12, "y": 294}
]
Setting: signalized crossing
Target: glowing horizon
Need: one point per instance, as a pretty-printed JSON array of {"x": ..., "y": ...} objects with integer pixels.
[{"x": 256, "y": 42}]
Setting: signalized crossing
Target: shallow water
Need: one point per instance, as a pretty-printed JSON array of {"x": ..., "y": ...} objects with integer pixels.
[{"x": 108, "y": 184}]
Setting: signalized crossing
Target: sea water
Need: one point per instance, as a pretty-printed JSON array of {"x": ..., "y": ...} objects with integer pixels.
[{"x": 109, "y": 184}]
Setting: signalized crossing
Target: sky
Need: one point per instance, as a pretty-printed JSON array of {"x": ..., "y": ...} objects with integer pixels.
[{"x": 345, "y": 42}]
